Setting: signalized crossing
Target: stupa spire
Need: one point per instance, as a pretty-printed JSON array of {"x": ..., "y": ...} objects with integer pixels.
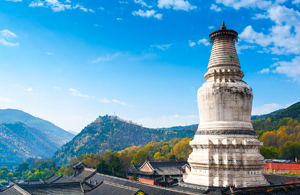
[
  {"x": 223, "y": 27},
  {"x": 225, "y": 147}
]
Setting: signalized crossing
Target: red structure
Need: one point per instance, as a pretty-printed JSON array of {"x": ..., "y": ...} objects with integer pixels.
[{"x": 281, "y": 168}]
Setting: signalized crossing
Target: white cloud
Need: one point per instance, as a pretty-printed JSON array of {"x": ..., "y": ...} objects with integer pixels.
[
  {"x": 104, "y": 100},
  {"x": 15, "y": 0},
  {"x": 36, "y": 4},
  {"x": 211, "y": 27},
  {"x": 260, "y": 16},
  {"x": 295, "y": 1},
  {"x": 101, "y": 8},
  {"x": 57, "y": 6},
  {"x": 106, "y": 58},
  {"x": 5, "y": 35},
  {"x": 78, "y": 6},
  {"x": 191, "y": 43},
  {"x": 119, "y": 102},
  {"x": 204, "y": 42},
  {"x": 147, "y": 14},
  {"x": 29, "y": 89},
  {"x": 239, "y": 48},
  {"x": 266, "y": 109},
  {"x": 237, "y": 4},
  {"x": 214, "y": 7},
  {"x": 49, "y": 53},
  {"x": 5, "y": 99},
  {"x": 75, "y": 92},
  {"x": 123, "y": 2},
  {"x": 291, "y": 69},
  {"x": 264, "y": 71},
  {"x": 142, "y": 3},
  {"x": 168, "y": 121},
  {"x": 119, "y": 19},
  {"x": 250, "y": 36},
  {"x": 176, "y": 5},
  {"x": 162, "y": 47}
]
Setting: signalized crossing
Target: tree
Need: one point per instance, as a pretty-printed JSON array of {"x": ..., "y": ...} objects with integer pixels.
[
  {"x": 102, "y": 167},
  {"x": 182, "y": 149},
  {"x": 140, "y": 157},
  {"x": 135, "y": 177},
  {"x": 172, "y": 157},
  {"x": 290, "y": 150},
  {"x": 269, "y": 152},
  {"x": 24, "y": 166},
  {"x": 10, "y": 176}
]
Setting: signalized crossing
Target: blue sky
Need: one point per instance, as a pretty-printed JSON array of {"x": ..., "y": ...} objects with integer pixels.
[{"x": 69, "y": 61}]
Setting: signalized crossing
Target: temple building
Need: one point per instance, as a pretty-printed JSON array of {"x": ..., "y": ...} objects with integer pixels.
[
  {"x": 225, "y": 147},
  {"x": 161, "y": 173}
]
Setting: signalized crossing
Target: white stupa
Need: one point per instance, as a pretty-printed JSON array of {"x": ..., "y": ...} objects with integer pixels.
[{"x": 225, "y": 147}]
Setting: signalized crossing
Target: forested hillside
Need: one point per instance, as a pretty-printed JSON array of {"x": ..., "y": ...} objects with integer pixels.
[
  {"x": 18, "y": 142},
  {"x": 176, "y": 149},
  {"x": 280, "y": 133},
  {"x": 274, "y": 121},
  {"x": 112, "y": 133}
]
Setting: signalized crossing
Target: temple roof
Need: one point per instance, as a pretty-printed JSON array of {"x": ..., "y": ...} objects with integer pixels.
[
  {"x": 147, "y": 188},
  {"x": 85, "y": 173},
  {"x": 14, "y": 190},
  {"x": 112, "y": 188},
  {"x": 281, "y": 179},
  {"x": 73, "y": 188},
  {"x": 170, "y": 167}
]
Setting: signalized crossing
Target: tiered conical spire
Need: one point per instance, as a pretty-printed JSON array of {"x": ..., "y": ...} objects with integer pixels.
[{"x": 225, "y": 147}]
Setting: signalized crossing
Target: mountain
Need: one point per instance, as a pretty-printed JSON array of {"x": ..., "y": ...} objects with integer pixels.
[
  {"x": 113, "y": 133},
  {"x": 264, "y": 116},
  {"x": 11, "y": 116},
  {"x": 19, "y": 141},
  {"x": 276, "y": 119}
]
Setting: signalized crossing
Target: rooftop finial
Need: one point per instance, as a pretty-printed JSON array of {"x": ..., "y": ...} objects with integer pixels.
[{"x": 223, "y": 27}]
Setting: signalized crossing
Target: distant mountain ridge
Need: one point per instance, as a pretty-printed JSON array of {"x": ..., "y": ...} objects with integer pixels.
[
  {"x": 23, "y": 135},
  {"x": 11, "y": 116},
  {"x": 272, "y": 121},
  {"x": 113, "y": 133}
]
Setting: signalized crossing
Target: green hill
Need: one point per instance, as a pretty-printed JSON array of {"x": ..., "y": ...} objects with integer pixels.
[
  {"x": 112, "y": 133},
  {"x": 275, "y": 120}
]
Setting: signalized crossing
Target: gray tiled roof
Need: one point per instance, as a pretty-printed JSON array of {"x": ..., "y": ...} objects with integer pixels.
[
  {"x": 167, "y": 167},
  {"x": 65, "y": 179},
  {"x": 85, "y": 173},
  {"x": 149, "y": 189},
  {"x": 280, "y": 179},
  {"x": 14, "y": 190},
  {"x": 54, "y": 189},
  {"x": 291, "y": 189},
  {"x": 52, "y": 178},
  {"x": 112, "y": 188}
]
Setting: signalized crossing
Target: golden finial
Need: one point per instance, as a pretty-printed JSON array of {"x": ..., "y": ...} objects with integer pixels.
[{"x": 223, "y": 27}]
